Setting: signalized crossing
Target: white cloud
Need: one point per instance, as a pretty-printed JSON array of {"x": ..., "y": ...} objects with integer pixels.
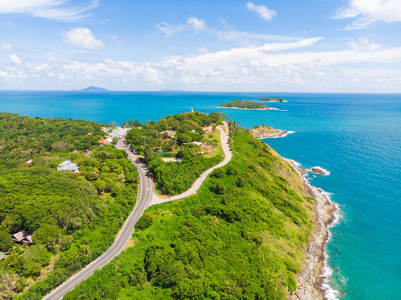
[
  {"x": 15, "y": 59},
  {"x": 5, "y": 47},
  {"x": 193, "y": 24},
  {"x": 197, "y": 24},
  {"x": 272, "y": 66},
  {"x": 364, "y": 45},
  {"x": 228, "y": 34},
  {"x": 370, "y": 11},
  {"x": 168, "y": 29},
  {"x": 248, "y": 38},
  {"x": 82, "y": 37},
  {"x": 49, "y": 9},
  {"x": 262, "y": 11}
]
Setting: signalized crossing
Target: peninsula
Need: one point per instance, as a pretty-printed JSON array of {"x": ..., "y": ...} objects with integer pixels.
[
  {"x": 272, "y": 99},
  {"x": 255, "y": 202},
  {"x": 264, "y": 132},
  {"x": 246, "y": 105}
]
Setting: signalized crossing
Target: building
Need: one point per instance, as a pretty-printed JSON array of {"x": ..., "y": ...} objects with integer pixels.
[
  {"x": 104, "y": 142},
  {"x": 171, "y": 133},
  {"x": 67, "y": 165},
  {"x": 22, "y": 238}
]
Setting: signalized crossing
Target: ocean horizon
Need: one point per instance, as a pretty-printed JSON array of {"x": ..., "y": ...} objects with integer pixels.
[{"x": 356, "y": 137}]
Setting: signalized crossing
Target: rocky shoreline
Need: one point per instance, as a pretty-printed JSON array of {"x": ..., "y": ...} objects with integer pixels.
[
  {"x": 310, "y": 281},
  {"x": 264, "y": 132}
]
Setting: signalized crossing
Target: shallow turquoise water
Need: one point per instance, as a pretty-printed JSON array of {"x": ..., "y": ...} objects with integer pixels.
[{"x": 356, "y": 137}]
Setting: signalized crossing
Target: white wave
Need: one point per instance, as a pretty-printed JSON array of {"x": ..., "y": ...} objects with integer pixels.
[
  {"x": 284, "y": 135},
  {"x": 283, "y": 109},
  {"x": 293, "y": 162},
  {"x": 329, "y": 292}
]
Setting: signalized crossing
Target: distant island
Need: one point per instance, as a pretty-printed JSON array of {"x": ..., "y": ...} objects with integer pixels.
[
  {"x": 171, "y": 91},
  {"x": 247, "y": 105},
  {"x": 92, "y": 89},
  {"x": 272, "y": 99}
]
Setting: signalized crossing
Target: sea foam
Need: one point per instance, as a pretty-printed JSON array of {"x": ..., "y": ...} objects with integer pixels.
[
  {"x": 284, "y": 135},
  {"x": 329, "y": 292}
]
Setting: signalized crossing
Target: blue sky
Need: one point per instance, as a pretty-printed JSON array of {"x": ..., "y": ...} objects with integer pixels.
[{"x": 288, "y": 46}]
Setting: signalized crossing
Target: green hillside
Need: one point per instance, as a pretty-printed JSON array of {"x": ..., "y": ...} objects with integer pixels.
[
  {"x": 242, "y": 236},
  {"x": 73, "y": 217},
  {"x": 190, "y": 144}
]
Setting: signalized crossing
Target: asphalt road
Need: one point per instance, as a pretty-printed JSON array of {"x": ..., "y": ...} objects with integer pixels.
[
  {"x": 143, "y": 201},
  {"x": 146, "y": 198}
]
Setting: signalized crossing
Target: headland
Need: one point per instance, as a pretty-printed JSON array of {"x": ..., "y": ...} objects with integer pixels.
[{"x": 264, "y": 132}]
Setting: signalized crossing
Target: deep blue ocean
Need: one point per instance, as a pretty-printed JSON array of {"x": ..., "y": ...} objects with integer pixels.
[{"x": 357, "y": 137}]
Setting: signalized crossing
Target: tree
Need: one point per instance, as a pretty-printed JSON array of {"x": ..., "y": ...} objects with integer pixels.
[
  {"x": 100, "y": 184},
  {"x": 134, "y": 124},
  {"x": 47, "y": 235},
  {"x": 6, "y": 243}
]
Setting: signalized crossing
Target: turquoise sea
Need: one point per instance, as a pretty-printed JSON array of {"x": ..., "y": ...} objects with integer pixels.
[{"x": 357, "y": 137}]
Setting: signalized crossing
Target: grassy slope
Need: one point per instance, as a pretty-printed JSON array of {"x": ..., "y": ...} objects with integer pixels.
[{"x": 243, "y": 235}]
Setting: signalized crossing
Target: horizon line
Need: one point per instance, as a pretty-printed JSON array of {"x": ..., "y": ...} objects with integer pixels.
[{"x": 188, "y": 91}]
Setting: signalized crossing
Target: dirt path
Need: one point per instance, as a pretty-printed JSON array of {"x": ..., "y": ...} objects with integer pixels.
[{"x": 198, "y": 182}]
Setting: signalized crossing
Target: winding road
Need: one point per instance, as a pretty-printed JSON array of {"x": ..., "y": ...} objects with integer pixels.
[
  {"x": 198, "y": 182},
  {"x": 146, "y": 198}
]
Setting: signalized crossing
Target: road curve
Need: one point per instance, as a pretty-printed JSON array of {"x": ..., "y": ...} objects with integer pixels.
[
  {"x": 198, "y": 182},
  {"x": 145, "y": 196}
]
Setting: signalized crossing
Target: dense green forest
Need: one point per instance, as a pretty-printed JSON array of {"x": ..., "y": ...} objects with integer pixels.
[
  {"x": 153, "y": 142},
  {"x": 73, "y": 217},
  {"x": 244, "y": 104},
  {"x": 242, "y": 236},
  {"x": 272, "y": 99}
]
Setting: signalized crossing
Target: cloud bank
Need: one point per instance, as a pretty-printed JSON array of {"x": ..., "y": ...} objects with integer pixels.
[{"x": 366, "y": 12}]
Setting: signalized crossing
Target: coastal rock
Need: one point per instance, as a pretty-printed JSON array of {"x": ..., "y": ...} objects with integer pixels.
[
  {"x": 264, "y": 132},
  {"x": 320, "y": 171}
]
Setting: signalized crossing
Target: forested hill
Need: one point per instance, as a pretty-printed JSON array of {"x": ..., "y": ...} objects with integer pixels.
[
  {"x": 73, "y": 217},
  {"x": 242, "y": 236},
  {"x": 245, "y": 104},
  {"x": 22, "y": 138},
  {"x": 191, "y": 138}
]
